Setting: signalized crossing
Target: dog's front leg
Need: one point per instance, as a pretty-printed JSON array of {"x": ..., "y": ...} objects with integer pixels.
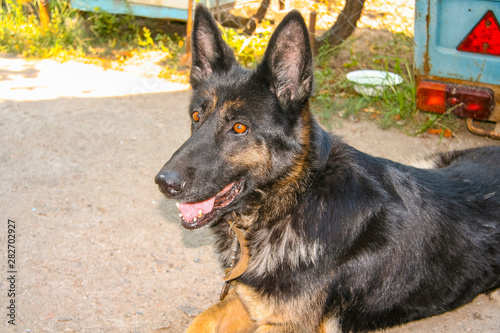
[{"x": 227, "y": 316}]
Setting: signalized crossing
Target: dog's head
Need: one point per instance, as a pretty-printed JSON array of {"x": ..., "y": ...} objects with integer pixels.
[{"x": 251, "y": 130}]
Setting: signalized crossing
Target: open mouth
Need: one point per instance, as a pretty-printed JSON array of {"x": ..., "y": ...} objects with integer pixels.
[{"x": 199, "y": 214}]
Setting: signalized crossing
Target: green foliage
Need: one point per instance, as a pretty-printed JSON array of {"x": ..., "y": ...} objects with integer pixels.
[
  {"x": 70, "y": 32},
  {"x": 397, "y": 102},
  {"x": 394, "y": 107},
  {"x": 109, "y": 27},
  {"x": 103, "y": 35},
  {"x": 248, "y": 49},
  {"x": 21, "y": 32}
]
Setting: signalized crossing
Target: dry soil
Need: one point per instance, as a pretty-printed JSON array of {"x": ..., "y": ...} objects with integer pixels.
[{"x": 97, "y": 247}]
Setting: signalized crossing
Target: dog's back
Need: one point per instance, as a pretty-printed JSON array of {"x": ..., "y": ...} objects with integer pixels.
[{"x": 414, "y": 242}]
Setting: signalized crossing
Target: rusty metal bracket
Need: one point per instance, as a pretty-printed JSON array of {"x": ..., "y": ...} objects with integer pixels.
[{"x": 479, "y": 131}]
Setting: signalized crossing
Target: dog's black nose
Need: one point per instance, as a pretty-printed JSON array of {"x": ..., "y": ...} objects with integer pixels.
[{"x": 170, "y": 183}]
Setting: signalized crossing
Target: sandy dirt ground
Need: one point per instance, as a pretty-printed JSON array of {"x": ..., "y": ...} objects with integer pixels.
[{"x": 97, "y": 247}]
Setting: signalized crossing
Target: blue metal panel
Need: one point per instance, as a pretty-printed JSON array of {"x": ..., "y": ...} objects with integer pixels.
[
  {"x": 121, "y": 7},
  {"x": 440, "y": 26},
  {"x": 145, "y": 10}
]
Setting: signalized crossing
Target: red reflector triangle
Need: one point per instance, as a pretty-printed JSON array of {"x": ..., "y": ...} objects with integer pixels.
[{"x": 484, "y": 37}]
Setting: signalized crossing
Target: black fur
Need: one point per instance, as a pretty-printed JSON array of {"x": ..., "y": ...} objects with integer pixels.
[{"x": 373, "y": 242}]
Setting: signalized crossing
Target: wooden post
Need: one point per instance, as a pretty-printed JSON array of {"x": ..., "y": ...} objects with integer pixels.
[
  {"x": 189, "y": 27},
  {"x": 258, "y": 17},
  {"x": 186, "y": 58},
  {"x": 312, "y": 28},
  {"x": 217, "y": 4},
  {"x": 282, "y": 4},
  {"x": 44, "y": 12}
]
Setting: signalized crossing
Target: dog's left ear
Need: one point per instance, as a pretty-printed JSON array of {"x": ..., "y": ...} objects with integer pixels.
[{"x": 287, "y": 62}]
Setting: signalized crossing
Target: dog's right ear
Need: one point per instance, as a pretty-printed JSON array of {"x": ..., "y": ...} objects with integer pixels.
[
  {"x": 287, "y": 62},
  {"x": 209, "y": 51}
]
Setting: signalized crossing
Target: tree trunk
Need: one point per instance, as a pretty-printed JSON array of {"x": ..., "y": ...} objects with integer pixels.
[
  {"x": 343, "y": 27},
  {"x": 261, "y": 12}
]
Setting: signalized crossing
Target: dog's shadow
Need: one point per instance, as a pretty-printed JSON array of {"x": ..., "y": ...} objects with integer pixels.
[{"x": 190, "y": 238}]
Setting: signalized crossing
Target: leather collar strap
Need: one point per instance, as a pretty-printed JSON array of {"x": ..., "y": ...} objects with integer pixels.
[
  {"x": 235, "y": 272},
  {"x": 242, "y": 265}
]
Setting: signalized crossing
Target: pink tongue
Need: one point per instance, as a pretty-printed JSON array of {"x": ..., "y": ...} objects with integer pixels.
[{"x": 192, "y": 210}]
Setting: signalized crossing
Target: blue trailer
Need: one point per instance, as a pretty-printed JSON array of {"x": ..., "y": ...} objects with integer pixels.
[
  {"x": 457, "y": 59},
  {"x": 159, "y": 9}
]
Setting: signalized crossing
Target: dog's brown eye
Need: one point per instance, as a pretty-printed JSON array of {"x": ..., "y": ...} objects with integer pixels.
[
  {"x": 239, "y": 128},
  {"x": 196, "y": 116}
]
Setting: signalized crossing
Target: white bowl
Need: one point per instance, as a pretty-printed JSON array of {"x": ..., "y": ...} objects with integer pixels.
[{"x": 373, "y": 83}]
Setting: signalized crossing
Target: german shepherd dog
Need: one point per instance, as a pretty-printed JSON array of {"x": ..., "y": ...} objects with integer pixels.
[{"x": 315, "y": 235}]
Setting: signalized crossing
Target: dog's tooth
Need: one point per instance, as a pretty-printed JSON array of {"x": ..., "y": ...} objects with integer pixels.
[
  {"x": 194, "y": 220},
  {"x": 177, "y": 204},
  {"x": 180, "y": 215},
  {"x": 200, "y": 213}
]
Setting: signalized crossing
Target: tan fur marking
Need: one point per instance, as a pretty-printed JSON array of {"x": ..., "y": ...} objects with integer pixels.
[
  {"x": 426, "y": 163},
  {"x": 300, "y": 314},
  {"x": 257, "y": 158},
  {"x": 215, "y": 99},
  {"x": 330, "y": 325},
  {"x": 298, "y": 168},
  {"x": 230, "y": 105},
  {"x": 290, "y": 250},
  {"x": 285, "y": 191},
  {"x": 244, "y": 311},
  {"x": 210, "y": 108},
  {"x": 226, "y": 316}
]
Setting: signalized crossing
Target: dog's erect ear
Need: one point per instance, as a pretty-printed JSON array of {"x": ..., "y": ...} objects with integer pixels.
[
  {"x": 288, "y": 61},
  {"x": 209, "y": 51}
]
